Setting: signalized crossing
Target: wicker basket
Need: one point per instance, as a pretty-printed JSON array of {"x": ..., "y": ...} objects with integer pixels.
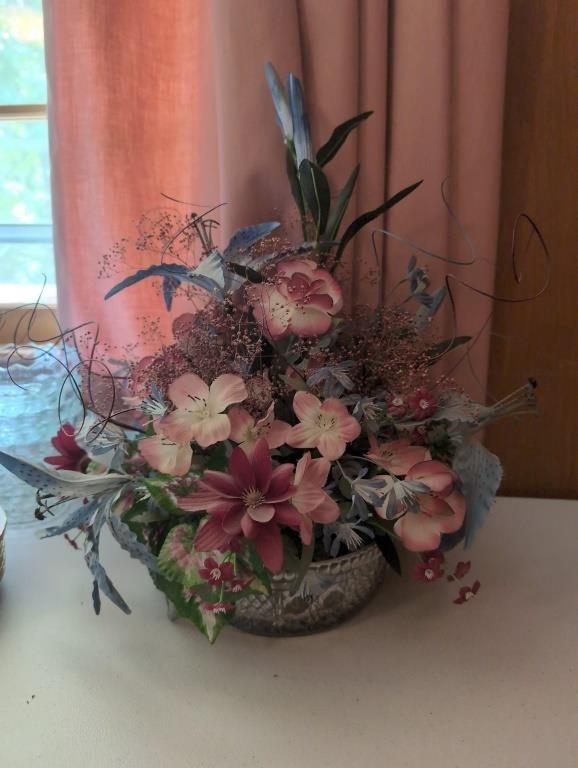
[{"x": 2, "y": 547}]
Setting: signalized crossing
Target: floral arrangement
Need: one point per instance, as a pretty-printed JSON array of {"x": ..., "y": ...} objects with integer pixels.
[{"x": 279, "y": 427}]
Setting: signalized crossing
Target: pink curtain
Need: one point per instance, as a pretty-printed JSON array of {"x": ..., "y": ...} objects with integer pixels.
[{"x": 170, "y": 97}]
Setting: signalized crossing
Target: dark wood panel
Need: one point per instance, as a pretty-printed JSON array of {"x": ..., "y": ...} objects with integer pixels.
[{"x": 540, "y": 176}]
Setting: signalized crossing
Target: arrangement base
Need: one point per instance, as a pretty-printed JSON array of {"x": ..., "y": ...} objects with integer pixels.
[{"x": 331, "y": 592}]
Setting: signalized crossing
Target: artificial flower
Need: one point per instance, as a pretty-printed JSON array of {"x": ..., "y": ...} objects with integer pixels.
[
  {"x": 327, "y": 426},
  {"x": 252, "y": 500},
  {"x": 466, "y": 593},
  {"x": 422, "y": 404},
  {"x": 396, "y": 456},
  {"x": 215, "y": 573},
  {"x": 246, "y": 430},
  {"x": 313, "y": 503},
  {"x": 461, "y": 570},
  {"x": 70, "y": 454},
  {"x": 300, "y": 299},
  {"x": 166, "y": 455},
  {"x": 397, "y": 406},
  {"x": 199, "y": 413},
  {"x": 430, "y": 568}
]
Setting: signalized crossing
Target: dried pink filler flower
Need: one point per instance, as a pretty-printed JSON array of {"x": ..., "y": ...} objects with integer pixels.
[{"x": 466, "y": 593}]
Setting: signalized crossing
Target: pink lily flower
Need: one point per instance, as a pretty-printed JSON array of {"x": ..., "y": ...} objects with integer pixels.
[
  {"x": 300, "y": 299},
  {"x": 199, "y": 413},
  {"x": 246, "y": 430},
  {"x": 441, "y": 510},
  {"x": 251, "y": 500},
  {"x": 164, "y": 454},
  {"x": 310, "y": 500},
  {"x": 327, "y": 426},
  {"x": 397, "y": 456}
]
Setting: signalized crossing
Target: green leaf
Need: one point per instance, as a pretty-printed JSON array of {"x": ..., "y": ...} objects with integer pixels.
[
  {"x": 163, "y": 498},
  {"x": 338, "y": 137},
  {"x": 294, "y": 182},
  {"x": 389, "y": 552},
  {"x": 304, "y": 562},
  {"x": 317, "y": 194},
  {"x": 443, "y": 347},
  {"x": 340, "y": 206},
  {"x": 365, "y": 218}
]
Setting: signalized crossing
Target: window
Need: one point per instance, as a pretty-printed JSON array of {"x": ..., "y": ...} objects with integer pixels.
[{"x": 26, "y": 252}]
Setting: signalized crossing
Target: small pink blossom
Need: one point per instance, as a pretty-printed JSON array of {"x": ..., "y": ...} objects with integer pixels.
[
  {"x": 300, "y": 299},
  {"x": 466, "y": 593},
  {"x": 397, "y": 406},
  {"x": 70, "y": 454},
  {"x": 199, "y": 413},
  {"x": 440, "y": 510},
  {"x": 252, "y": 500},
  {"x": 245, "y": 430},
  {"x": 430, "y": 569},
  {"x": 219, "y": 608},
  {"x": 422, "y": 404},
  {"x": 397, "y": 456},
  {"x": 215, "y": 573},
  {"x": 327, "y": 426}
]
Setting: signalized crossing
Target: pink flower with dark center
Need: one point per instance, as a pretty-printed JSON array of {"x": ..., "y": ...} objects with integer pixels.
[
  {"x": 251, "y": 500},
  {"x": 199, "y": 413},
  {"x": 246, "y": 430},
  {"x": 422, "y": 404},
  {"x": 300, "y": 299},
  {"x": 327, "y": 426},
  {"x": 313, "y": 503},
  {"x": 466, "y": 593},
  {"x": 71, "y": 455},
  {"x": 216, "y": 573},
  {"x": 397, "y": 456},
  {"x": 397, "y": 406},
  {"x": 441, "y": 509}
]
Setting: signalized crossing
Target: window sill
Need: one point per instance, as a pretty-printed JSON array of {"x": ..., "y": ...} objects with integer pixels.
[{"x": 13, "y": 296}]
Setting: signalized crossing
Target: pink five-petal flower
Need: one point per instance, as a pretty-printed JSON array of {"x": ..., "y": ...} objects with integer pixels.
[
  {"x": 199, "y": 409},
  {"x": 165, "y": 455},
  {"x": 310, "y": 500},
  {"x": 466, "y": 593},
  {"x": 422, "y": 530},
  {"x": 397, "y": 456},
  {"x": 397, "y": 406},
  {"x": 327, "y": 426},
  {"x": 430, "y": 569},
  {"x": 70, "y": 454},
  {"x": 246, "y": 430},
  {"x": 251, "y": 500},
  {"x": 300, "y": 299}
]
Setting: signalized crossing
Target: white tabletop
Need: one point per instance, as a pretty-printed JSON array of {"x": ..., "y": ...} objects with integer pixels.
[{"x": 414, "y": 681}]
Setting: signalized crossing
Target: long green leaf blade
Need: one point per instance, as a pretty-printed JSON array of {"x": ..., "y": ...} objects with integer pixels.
[
  {"x": 338, "y": 137},
  {"x": 365, "y": 218},
  {"x": 340, "y": 206},
  {"x": 317, "y": 194}
]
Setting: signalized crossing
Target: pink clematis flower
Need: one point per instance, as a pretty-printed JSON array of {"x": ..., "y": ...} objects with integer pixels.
[
  {"x": 300, "y": 299},
  {"x": 199, "y": 413},
  {"x": 245, "y": 430},
  {"x": 314, "y": 504},
  {"x": 397, "y": 456},
  {"x": 251, "y": 500},
  {"x": 70, "y": 454},
  {"x": 327, "y": 426},
  {"x": 441, "y": 509},
  {"x": 164, "y": 454}
]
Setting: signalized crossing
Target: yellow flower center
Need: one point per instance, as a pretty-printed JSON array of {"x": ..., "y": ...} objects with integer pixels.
[
  {"x": 253, "y": 498},
  {"x": 325, "y": 423}
]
